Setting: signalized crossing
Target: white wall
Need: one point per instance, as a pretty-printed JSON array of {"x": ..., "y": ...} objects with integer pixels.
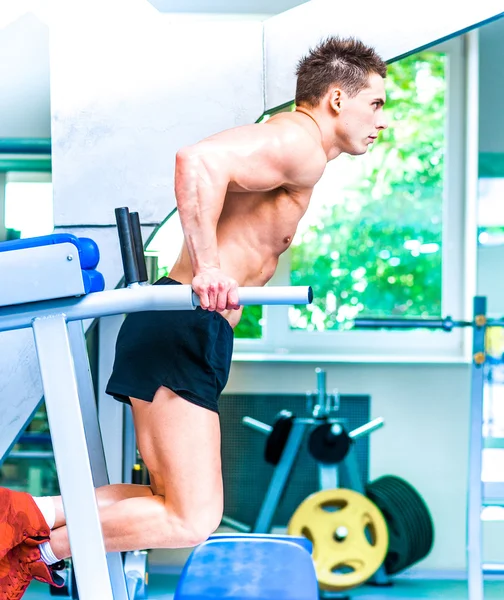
[{"x": 24, "y": 73}]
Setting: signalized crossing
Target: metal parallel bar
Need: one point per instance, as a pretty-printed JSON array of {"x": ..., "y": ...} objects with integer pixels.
[
  {"x": 272, "y": 296},
  {"x": 71, "y": 455},
  {"x": 279, "y": 480},
  {"x": 89, "y": 412},
  {"x": 475, "y": 492},
  {"x": 137, "y": 299}
]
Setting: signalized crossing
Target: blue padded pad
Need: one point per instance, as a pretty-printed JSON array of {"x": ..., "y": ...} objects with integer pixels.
[
  {"x": 93, "y": 281},
  {"x": 249, "y": 567},
  {"x": 89, "y": 253},
  {"x": 88, "y": 250}
]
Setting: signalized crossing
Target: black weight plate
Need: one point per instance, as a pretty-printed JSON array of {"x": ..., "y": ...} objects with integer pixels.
[
  {"x": 277, "y": 439},
  {"x": 422, "y": 515},
  {"x": 413, "y": 528},
  {"x": 399, "y": 541},
  {"x": 423, "y": 520},
  {"x": 418, "y": 524},
  {"x": 412, "y": 524},
  {"x": 421, "y": 539},
  {"x": 327, "y": 447},
  {"x": 400, "y": 520}
]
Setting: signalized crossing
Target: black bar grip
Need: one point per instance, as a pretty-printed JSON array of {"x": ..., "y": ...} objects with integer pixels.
[
  {"x": 127, "y": 246},
  {"x": 136, "y": 230}
]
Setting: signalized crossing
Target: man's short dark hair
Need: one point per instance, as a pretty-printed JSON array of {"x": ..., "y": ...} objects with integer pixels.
[{"x": 345, "y": 62}]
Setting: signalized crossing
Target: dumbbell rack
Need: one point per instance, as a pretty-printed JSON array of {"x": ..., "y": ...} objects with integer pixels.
[{"x": 344, "y": 473}]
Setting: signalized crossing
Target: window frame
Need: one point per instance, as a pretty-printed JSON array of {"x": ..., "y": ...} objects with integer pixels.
[{"x": 281, "y": 343}]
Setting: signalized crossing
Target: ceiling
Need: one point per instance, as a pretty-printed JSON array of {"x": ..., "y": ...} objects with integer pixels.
[{"x": 266, "y": 7}]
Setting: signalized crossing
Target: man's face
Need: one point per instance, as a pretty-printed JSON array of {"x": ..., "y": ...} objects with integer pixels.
[{"x": 361, "y": 118}]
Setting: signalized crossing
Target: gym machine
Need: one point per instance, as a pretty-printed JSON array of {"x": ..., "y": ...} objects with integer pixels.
[
  {"x": 479, "y": 494},
  {"x": 53, "y": 285}
]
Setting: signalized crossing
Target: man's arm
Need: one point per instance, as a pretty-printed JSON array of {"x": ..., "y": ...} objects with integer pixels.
[{"x": 258, "y": 157}]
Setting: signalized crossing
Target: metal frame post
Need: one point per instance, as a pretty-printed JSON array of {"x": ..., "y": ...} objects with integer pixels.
[
  {"x": 89, "y": 411},
  {"x": 71, "y": 454},
  {"x": 475, "y": 491}
]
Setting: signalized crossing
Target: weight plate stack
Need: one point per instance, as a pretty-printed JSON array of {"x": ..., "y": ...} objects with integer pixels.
[{"x": 411, "y": 530}]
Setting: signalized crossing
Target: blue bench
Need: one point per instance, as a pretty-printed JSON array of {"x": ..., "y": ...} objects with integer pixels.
[{"x": 246, "y": 567}]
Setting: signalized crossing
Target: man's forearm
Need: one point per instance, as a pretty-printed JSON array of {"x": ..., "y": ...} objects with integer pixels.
[
  {"x": 201, "y": 244},
  {"x": 200, "y": 198}
]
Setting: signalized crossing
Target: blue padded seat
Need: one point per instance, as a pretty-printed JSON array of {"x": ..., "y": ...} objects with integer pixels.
[{"x": 246, "y": 567}]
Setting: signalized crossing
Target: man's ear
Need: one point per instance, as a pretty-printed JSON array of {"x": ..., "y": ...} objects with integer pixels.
[{"x": 335, "y": 97}]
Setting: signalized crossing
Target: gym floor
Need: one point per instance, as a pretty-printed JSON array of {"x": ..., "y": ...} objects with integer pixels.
[{"x": 161, "y": 587}]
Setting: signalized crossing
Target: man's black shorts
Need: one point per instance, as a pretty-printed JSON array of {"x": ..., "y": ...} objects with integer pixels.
[{"x": 187, "y": 351}]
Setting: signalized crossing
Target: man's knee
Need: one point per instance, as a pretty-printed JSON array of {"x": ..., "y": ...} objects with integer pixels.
[{"x": 199, "y": 526}]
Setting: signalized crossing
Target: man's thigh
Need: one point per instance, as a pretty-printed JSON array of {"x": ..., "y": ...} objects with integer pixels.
[{"x": 180, "y": 443}]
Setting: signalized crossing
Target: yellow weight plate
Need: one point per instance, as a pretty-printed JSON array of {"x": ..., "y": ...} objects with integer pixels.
[{"x": 349, "y": 536}]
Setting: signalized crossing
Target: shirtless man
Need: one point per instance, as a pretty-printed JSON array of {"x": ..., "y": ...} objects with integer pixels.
[{"x": 240, "y": 195}]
